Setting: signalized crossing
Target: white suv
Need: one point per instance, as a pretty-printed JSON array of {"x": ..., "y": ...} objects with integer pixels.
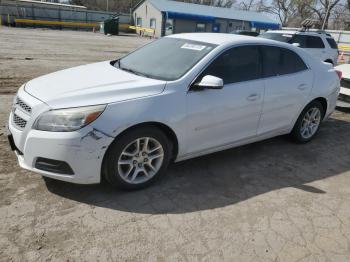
[{"x": 319, "y": 44}]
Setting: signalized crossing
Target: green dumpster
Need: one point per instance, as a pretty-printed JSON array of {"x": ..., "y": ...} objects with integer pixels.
[{"x": 111, "y": 26}]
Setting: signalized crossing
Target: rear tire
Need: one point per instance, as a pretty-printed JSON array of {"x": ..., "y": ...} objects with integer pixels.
[
  {"x": 137, "y": 158},
  {"x": 308, "y": 123}
]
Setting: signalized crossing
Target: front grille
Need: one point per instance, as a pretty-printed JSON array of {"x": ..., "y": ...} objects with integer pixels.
[
  {"x": 23, "y": 105},
  {"x": 344, "y": 98},
  {"x": 20, "y": 122},
  {"x": 345, "y": 83},
  {"x": 21, "y": 113}
]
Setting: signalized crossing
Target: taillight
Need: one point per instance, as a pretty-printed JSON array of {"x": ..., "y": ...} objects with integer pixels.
[{"x": 339, "y": 73}]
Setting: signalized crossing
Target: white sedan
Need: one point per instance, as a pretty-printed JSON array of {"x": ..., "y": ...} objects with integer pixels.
[{"x": 176, "y": 98}]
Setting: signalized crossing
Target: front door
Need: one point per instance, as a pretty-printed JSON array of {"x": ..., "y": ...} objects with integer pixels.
[{"x": 221, "y": 117}]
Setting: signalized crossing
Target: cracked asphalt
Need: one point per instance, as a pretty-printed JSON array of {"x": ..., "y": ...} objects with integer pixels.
[{"x": 269, "y": 201}]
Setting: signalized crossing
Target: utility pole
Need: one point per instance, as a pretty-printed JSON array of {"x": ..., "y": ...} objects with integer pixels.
[{"x": 107, "y": 6}]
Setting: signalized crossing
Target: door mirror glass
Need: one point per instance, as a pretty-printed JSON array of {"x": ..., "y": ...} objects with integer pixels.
[{"x": 210, "y": 82}]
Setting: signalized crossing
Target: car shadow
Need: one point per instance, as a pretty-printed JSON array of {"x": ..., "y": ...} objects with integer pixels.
[{"x": 228, "y": 177}]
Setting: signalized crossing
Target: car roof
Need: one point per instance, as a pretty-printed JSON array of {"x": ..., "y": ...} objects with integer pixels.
[
  {"x": 287, "y": 32},
  {"x": 221, "y": 38},
  {"x": 282, "y": 32}
]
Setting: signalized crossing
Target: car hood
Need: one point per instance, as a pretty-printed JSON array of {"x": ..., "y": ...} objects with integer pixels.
[
  {"x": 345, "y": 69},
  {"x": 98, "y": 83}
]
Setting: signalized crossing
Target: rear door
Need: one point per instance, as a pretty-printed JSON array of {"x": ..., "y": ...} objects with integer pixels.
[{"x": 288, "y": 82}]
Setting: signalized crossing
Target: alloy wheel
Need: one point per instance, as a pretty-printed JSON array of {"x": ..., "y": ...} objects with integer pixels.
[
  {"x": 310, "y": 123},
  {"x": 140, "y": 160}
]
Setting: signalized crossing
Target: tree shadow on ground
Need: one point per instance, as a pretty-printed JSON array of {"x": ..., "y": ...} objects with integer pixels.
[{"x": 228, "y": 177}]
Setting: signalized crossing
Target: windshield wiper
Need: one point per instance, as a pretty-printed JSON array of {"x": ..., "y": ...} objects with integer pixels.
[{"x": 131, "y": 70}]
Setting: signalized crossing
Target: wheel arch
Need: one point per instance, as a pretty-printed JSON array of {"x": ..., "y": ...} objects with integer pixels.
[
  {"x": 105, "y": 174},
  {"x": 168, "y": 131},
  {"x": 323, "y": 102}
]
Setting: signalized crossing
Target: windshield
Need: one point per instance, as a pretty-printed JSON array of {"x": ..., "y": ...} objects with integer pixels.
[
  {"x": 286, "y": 38},
  {"x": 165, "y": 59}
]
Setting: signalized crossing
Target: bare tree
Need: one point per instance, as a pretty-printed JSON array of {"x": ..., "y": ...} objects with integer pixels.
[
  {"x": 303, "y": 12},
  {"x": 224, "y": 3},
  {"x": 340, "y": 18},
  {"x": 252, "y": 5},
  {"x": 323, "y": 10},
  {"x": 217, "y": 3},
  {"x": 247, "y": 5},
  {"x": 118, "y": 6},
  {"x": 283, "y": 9}
]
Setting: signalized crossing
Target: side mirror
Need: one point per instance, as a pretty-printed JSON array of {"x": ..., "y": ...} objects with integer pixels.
[
  {"x": 210, "y": 82},
  {"x": 296, "y": 44}
]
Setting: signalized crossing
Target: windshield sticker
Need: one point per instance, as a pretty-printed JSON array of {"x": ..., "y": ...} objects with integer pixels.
[
  {"x": 287, "y": 35},
  {"x": 193, "y": 47}
]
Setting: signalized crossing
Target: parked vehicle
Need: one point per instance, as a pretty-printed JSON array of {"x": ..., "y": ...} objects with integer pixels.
[
  {"x": 245, "y": 32},
  {"x": 176, "y": 98},
  {"x": 320, "y": 44},
  {"x": 344, "y": 95}
]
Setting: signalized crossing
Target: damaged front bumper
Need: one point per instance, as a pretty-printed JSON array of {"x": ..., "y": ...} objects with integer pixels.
[
  {"x": 68, "y": 156},
  {"x": 74, "y": 157}
]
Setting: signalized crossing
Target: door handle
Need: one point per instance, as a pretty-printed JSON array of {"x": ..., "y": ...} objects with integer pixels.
[
  {"x": 253, "y": 97},
  {"x": 302, "y": 86}
]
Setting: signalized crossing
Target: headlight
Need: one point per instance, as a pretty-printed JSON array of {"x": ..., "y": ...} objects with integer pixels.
[{"x": 66, "y": 120}]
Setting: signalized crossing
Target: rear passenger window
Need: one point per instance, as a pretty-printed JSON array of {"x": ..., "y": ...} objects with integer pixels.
[
  {"x": 280, "y": 61},
  {"x": 305, "y": 41},
  {"x": 300, "y": 39},
  {"x": 236, "y": 65},
  {"x": 314, "y": 42},
  {"x": 332, "y": 43}
]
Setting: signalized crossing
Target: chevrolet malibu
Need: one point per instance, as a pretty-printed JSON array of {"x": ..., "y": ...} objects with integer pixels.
[{"x": 176, "y": 98}]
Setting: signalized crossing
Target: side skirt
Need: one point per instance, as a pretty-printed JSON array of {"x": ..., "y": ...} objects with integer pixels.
[{"x": 234, "y": 144}]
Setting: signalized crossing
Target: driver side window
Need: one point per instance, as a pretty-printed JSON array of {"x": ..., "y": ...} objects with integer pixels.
[{"x": 236, "y": 65}]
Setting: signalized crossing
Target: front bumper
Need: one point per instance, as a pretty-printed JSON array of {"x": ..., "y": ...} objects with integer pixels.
[{"x": 82, "y": 150}]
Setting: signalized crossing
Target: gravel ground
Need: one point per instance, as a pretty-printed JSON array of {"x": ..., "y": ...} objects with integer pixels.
[{"x": 269, "y": 201}]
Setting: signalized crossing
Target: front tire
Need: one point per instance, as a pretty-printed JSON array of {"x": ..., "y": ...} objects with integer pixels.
[
  {"x": 308, "y": 123},
  {"x": 137, "y": 158}
]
